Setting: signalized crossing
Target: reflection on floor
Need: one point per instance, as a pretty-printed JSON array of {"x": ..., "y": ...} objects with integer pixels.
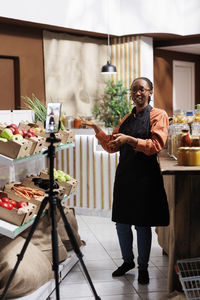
[{"x": 101, "y": 257}]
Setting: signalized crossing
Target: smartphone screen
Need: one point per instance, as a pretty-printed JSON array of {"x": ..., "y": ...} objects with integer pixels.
[{"x": 53, "y": 117}]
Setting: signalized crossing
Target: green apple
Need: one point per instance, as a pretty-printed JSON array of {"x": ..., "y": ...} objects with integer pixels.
[
  {"x": 61, "y": 179},
  {"x": 3, "y": 139},
  {"x": 60, "y": 172},
  {"x": 6, "y": 133},
  {"x": 56, "y": 175},
  {"x": 67, "y": 177},
  {"x": 17, "y": 137}
]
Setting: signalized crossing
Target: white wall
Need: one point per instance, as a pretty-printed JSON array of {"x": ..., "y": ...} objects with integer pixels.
[{"x": 125, "y": 16}]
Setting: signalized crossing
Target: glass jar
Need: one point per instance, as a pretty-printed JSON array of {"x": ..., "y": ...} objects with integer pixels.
[
  {"x": 197, "y": 115},
  {"x": 194, "y": 156},
  {"x": 185, "y": 139},
  {"x": 179, "y": 116},
  {"x": 195, "y": 128},
  {"x": 69, "y": 122},
  {"x": 183, "y": 156},
  {"x": 177, "y": 135},
  {"x": 195, "y": 141},
  {"x": 77, "y": 123}
]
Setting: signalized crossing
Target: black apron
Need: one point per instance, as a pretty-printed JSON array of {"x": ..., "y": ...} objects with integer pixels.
[{"x": 139, "y": 196}]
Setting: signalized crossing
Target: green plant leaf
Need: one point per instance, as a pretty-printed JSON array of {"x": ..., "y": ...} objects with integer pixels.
[{"x": 113, "y": 105}]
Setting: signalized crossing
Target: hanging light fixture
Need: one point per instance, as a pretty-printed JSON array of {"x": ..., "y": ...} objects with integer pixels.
[{"x": 109, "y": 68}]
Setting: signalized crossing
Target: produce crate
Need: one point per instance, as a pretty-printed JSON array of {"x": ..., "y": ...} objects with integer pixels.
[
  {"x": 15, "y": 149},
  {"x": 189, "y": 275},
  {"x": 70, "y": 186},
  {"x": 37, "y": 144},
  {"x": 17, "y": 216},
  {"x": 28, "y": 182},
  {"x": 11, "y": 194},
  {"x": 67, "y": 136}
]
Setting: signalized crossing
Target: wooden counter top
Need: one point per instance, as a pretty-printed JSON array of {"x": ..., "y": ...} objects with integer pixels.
[{"x": 169, "y": 165}]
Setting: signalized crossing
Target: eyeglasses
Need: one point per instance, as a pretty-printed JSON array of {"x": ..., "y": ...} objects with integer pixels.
[{"x": 141, "y": 90}]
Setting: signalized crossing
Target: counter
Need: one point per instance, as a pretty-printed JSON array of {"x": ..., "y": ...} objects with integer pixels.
[{"x": 181, "y": 239}]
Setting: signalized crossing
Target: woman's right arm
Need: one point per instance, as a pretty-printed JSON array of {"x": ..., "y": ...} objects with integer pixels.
[{"x": 102, "y": 137}]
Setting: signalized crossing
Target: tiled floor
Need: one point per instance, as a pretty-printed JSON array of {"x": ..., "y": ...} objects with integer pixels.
[{"x": 102, "y": 256}]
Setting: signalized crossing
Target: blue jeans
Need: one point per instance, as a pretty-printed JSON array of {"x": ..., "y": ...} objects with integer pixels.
[{"x": 144, "y": 237}]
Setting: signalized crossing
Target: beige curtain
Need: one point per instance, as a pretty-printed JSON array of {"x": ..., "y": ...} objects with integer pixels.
[{"x": 72, "y": 71}]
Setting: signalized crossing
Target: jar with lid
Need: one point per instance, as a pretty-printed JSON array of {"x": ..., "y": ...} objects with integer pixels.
[
  {"x": 185, "y": 139},
  {"x": 183, "y": 156},
  {"x": 194, "y": 156},
  {"x": 195, "y": 128},
  {"x": 197, "y": 115},
  {"x": 177, "y": 135},
  {"x": 77, "y": 123},
  {"x": 69, "y": 122},
  {"x": 179, "y": 116}
]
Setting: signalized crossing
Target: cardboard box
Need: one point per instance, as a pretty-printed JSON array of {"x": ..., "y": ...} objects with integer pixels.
[
  {"x": 70, "y": 186},
  {"x": 11, "y": 194},
  {"x": 47, "y": 135},
  {"x": 18, "y": 216},
  {"x": 67, "y": 136},
  {"x": 15, "y": 149},
  {"x": 29, "y": 182},
  {"x": 24, "y": 125},
  {"x": 37, "y": 144}
]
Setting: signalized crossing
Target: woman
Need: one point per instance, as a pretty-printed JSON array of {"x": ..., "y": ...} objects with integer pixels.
[{"x": 139, "y": 197}]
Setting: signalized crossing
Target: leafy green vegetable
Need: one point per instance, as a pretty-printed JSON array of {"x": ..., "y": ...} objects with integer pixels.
[{"x": 39, "y": 109}]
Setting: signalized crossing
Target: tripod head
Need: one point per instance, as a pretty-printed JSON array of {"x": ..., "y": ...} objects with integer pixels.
[{"x": 52, "y": 139}]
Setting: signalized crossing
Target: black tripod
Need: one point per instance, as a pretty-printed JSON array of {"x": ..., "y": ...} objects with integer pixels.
[{"x": 54, "y": 203}]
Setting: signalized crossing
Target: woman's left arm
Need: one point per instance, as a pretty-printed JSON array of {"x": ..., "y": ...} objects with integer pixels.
[{"x": 159, "y": 132}]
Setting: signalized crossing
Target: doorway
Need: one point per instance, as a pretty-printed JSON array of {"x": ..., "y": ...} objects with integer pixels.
[
  {"x": 9, "y": 83},
  {"x": 183, "y": 85}
]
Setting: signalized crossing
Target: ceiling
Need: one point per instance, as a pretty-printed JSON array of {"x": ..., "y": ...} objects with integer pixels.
[{"x": 189, "y": 48}]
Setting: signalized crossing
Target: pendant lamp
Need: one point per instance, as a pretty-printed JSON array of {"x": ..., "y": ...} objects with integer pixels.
[{"x": 108, "y": 68}]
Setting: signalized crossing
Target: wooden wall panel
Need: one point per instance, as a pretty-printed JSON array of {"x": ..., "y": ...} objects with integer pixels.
[
  {"x": 25, "y": 45},
  {"x": 163, "y": 77}
]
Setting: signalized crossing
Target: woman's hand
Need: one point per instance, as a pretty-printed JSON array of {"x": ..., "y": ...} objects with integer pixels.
[
  {"x": 88, "y": 123},
  {"x": 91, "y": 124},
  {"x": 119, "y": 139}
]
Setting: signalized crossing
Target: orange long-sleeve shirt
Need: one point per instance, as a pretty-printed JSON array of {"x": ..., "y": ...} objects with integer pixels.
[{"x": 159, "y": 131}]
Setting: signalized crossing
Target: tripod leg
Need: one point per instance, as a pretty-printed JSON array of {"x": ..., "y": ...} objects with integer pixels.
[
  {"x": 76, "y": 248},
  {"x": 54, "y": 241},
  {"x": 20, "y": 256}
]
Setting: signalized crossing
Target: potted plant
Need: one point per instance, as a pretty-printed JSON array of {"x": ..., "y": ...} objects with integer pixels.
[{"x": 113, "y": 105}]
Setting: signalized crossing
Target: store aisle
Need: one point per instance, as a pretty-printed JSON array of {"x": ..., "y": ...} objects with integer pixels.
[{"x": 101, "y": 257}]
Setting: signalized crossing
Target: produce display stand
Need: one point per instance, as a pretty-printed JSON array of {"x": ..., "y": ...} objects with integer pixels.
[{"x": 12, "y": 231}]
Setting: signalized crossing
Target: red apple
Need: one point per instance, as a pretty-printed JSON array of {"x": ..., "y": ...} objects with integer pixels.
[
  {"x": 32, "y": 131},
  {"x": 24, "y": 132},
  {"x": 13, "y": 125},
  {"x": 20, "y": 132},
  {"x": 28, "y": 135},
  {"x": 22, "y": 204},
  {"x": 12, "y": 129}
]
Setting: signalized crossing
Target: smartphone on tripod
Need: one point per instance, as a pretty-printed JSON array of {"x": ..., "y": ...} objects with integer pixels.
[{"x": 52, "y": 124}]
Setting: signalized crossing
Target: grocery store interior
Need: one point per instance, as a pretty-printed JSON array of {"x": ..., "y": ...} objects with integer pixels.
[{"x": 76, "y": 59}]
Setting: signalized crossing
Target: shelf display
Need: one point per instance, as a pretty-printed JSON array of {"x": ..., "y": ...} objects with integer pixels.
[
  {"x": 18, "y": 214},
  {"x": 19, "y": 167},
  {"x": 184, "y": 138}
]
